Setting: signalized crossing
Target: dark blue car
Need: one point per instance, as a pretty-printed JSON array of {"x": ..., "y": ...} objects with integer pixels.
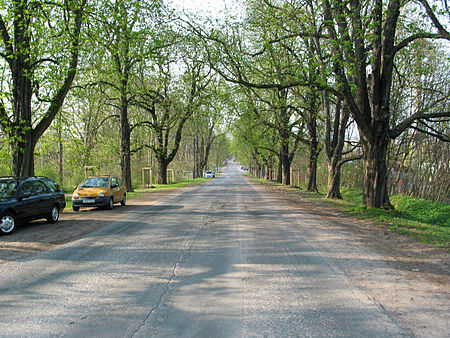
[{"x": 27, "y": 199}]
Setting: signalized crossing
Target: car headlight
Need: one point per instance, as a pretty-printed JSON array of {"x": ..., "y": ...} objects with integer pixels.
[
  {"x": 76, "y": 196},
  {"x": 101, "y": 195}
]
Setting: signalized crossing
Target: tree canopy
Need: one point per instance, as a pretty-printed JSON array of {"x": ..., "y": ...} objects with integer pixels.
[{"x": 314, "y": 84}]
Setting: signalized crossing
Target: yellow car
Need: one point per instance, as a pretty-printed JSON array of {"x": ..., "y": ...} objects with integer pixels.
[{"x": 99, "y": 191}]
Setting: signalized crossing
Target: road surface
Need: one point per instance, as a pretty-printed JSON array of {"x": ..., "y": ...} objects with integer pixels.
[{"x": 220, "y": 259}]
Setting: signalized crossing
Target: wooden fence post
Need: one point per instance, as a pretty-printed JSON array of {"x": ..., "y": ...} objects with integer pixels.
[
  {"x": 173, "y": 175},
  {"x": 291, "y": 171},
  {"x": 150, "y": 177}
]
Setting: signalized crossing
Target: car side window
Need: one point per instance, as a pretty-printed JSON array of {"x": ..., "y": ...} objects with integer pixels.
[
  {"x": 33, "y": 188},
  {"x": 27, "y": 188},
  {"x": 39, "y": 188},
  {"x": 52, "y": 185}
]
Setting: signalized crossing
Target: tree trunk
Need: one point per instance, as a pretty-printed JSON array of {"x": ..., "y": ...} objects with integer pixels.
[
  {"x": 60, "y": 151},
  {"x": 60, "y": 162},
  {"x": 23, "y": 155},
  {"x": 312, "y": 171},
  {"x": 334, "y": 144},
  {"x": 196, "y": 170},
  {"x": 162, "y": 171},
  {"x": 285, "y": 163},
  {"x": 21, "y": 133},
  {"x": 313, "y": 155},
  {"x": 206, "y": 155},
  {"x": 279, "y": 172},
  {"x": 334, "y": 180},
  {"x": 375, "y": 193},
  {"x": 125, "y": 148}
]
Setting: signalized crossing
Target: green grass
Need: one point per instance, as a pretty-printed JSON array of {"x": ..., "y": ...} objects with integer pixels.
[
  {"x": 421, "y": 219},
  {"x": 138, "y": 192},
  {"x": 425, "y": 220}
]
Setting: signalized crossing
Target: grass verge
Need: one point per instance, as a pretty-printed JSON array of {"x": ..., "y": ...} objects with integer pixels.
[{"x": 425, "y": 220}]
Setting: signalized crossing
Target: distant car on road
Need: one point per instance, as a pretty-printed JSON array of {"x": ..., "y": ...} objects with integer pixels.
[
  {"x": 25, "y": 199},
  {"x": 210, "y": 174},
  {"x": 99, "y": 191}
]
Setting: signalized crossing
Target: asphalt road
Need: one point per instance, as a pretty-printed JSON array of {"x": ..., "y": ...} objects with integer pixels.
[{"x": 217, "y": 260}]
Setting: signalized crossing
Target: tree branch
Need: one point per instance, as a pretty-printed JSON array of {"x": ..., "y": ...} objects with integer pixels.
[
  {"x": 60, "y": 95},
  {"x": 6, "y": 41},
  {"x": 441, "y": 137},
  {"x": 417, "y": 36},
  {"x": 435, "y": 20},
  {"x": 402, "y": 126},
  {"x": 349, "y": 159}
]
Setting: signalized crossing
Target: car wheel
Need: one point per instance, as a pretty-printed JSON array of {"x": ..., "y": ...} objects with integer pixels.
[
  {"x": 124, "y": 200},
  {"x": 7, "y": 224},
  {"x": 54, "y": 215},
  {"x": 110, "y": 205},
  {"x": 75, "y": 208}
]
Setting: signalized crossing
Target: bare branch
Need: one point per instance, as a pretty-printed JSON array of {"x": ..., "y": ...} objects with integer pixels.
[
  {"x": 435, "y": 20},
  {"x": 441, "y": 137},
  {"x": 402, "y": 126},
  {"x": 349, "y": 159},
  {"x": 417, "y": 36}
]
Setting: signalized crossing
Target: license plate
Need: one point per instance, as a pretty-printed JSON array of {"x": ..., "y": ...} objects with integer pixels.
[{"x": 88, "y": 201}]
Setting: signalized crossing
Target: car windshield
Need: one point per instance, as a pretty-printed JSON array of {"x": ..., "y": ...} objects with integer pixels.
[
  {"x": 7, "y": 190},
  {"x": 95, "y": 182}
]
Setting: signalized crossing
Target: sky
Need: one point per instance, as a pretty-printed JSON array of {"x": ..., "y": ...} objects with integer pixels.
[{"x": 206, "y": 8}]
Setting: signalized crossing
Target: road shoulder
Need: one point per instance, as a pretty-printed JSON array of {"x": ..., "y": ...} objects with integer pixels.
[
  {"x": 36, "y": 237},
  {"x": 408, "y": 278}
]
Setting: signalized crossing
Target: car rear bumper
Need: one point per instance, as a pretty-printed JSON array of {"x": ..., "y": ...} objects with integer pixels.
[{"x": 91, "y": 202}]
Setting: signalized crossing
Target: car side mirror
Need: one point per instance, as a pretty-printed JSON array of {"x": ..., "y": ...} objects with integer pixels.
[{"x": 114, "y": 186}]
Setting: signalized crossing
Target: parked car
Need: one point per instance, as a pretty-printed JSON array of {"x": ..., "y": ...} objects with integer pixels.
[
  {"x": 25, "y": 199},
  {"x": 99, "y": 191},
  {"x": 210, "y": 174}
]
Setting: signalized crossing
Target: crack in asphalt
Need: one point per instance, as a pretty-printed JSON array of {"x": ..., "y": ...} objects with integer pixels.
[{"x": 188, "y": 244}]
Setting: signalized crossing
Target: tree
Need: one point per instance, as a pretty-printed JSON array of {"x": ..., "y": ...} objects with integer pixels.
[
  {"x": 361, "y": 45},
  {"x": 256, "y": 143},
  {"x": 170, "y": 100},
  {"x": 364, "y": 41},
  {"x": 418, "y": 160},
  {"x": 125, "y": 34},
  {"x": 89, "y": 125},
  {"x": 41, "y": 47},
  {"x": 267, "y": 75},
  {"x": 204, "y": 127}
]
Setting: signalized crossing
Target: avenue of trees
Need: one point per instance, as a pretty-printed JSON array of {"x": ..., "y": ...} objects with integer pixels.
[
  {"x": 338, "y": 88},
  {"x": 98, "y": 83},
  {"x": 309, "y": 68}
]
